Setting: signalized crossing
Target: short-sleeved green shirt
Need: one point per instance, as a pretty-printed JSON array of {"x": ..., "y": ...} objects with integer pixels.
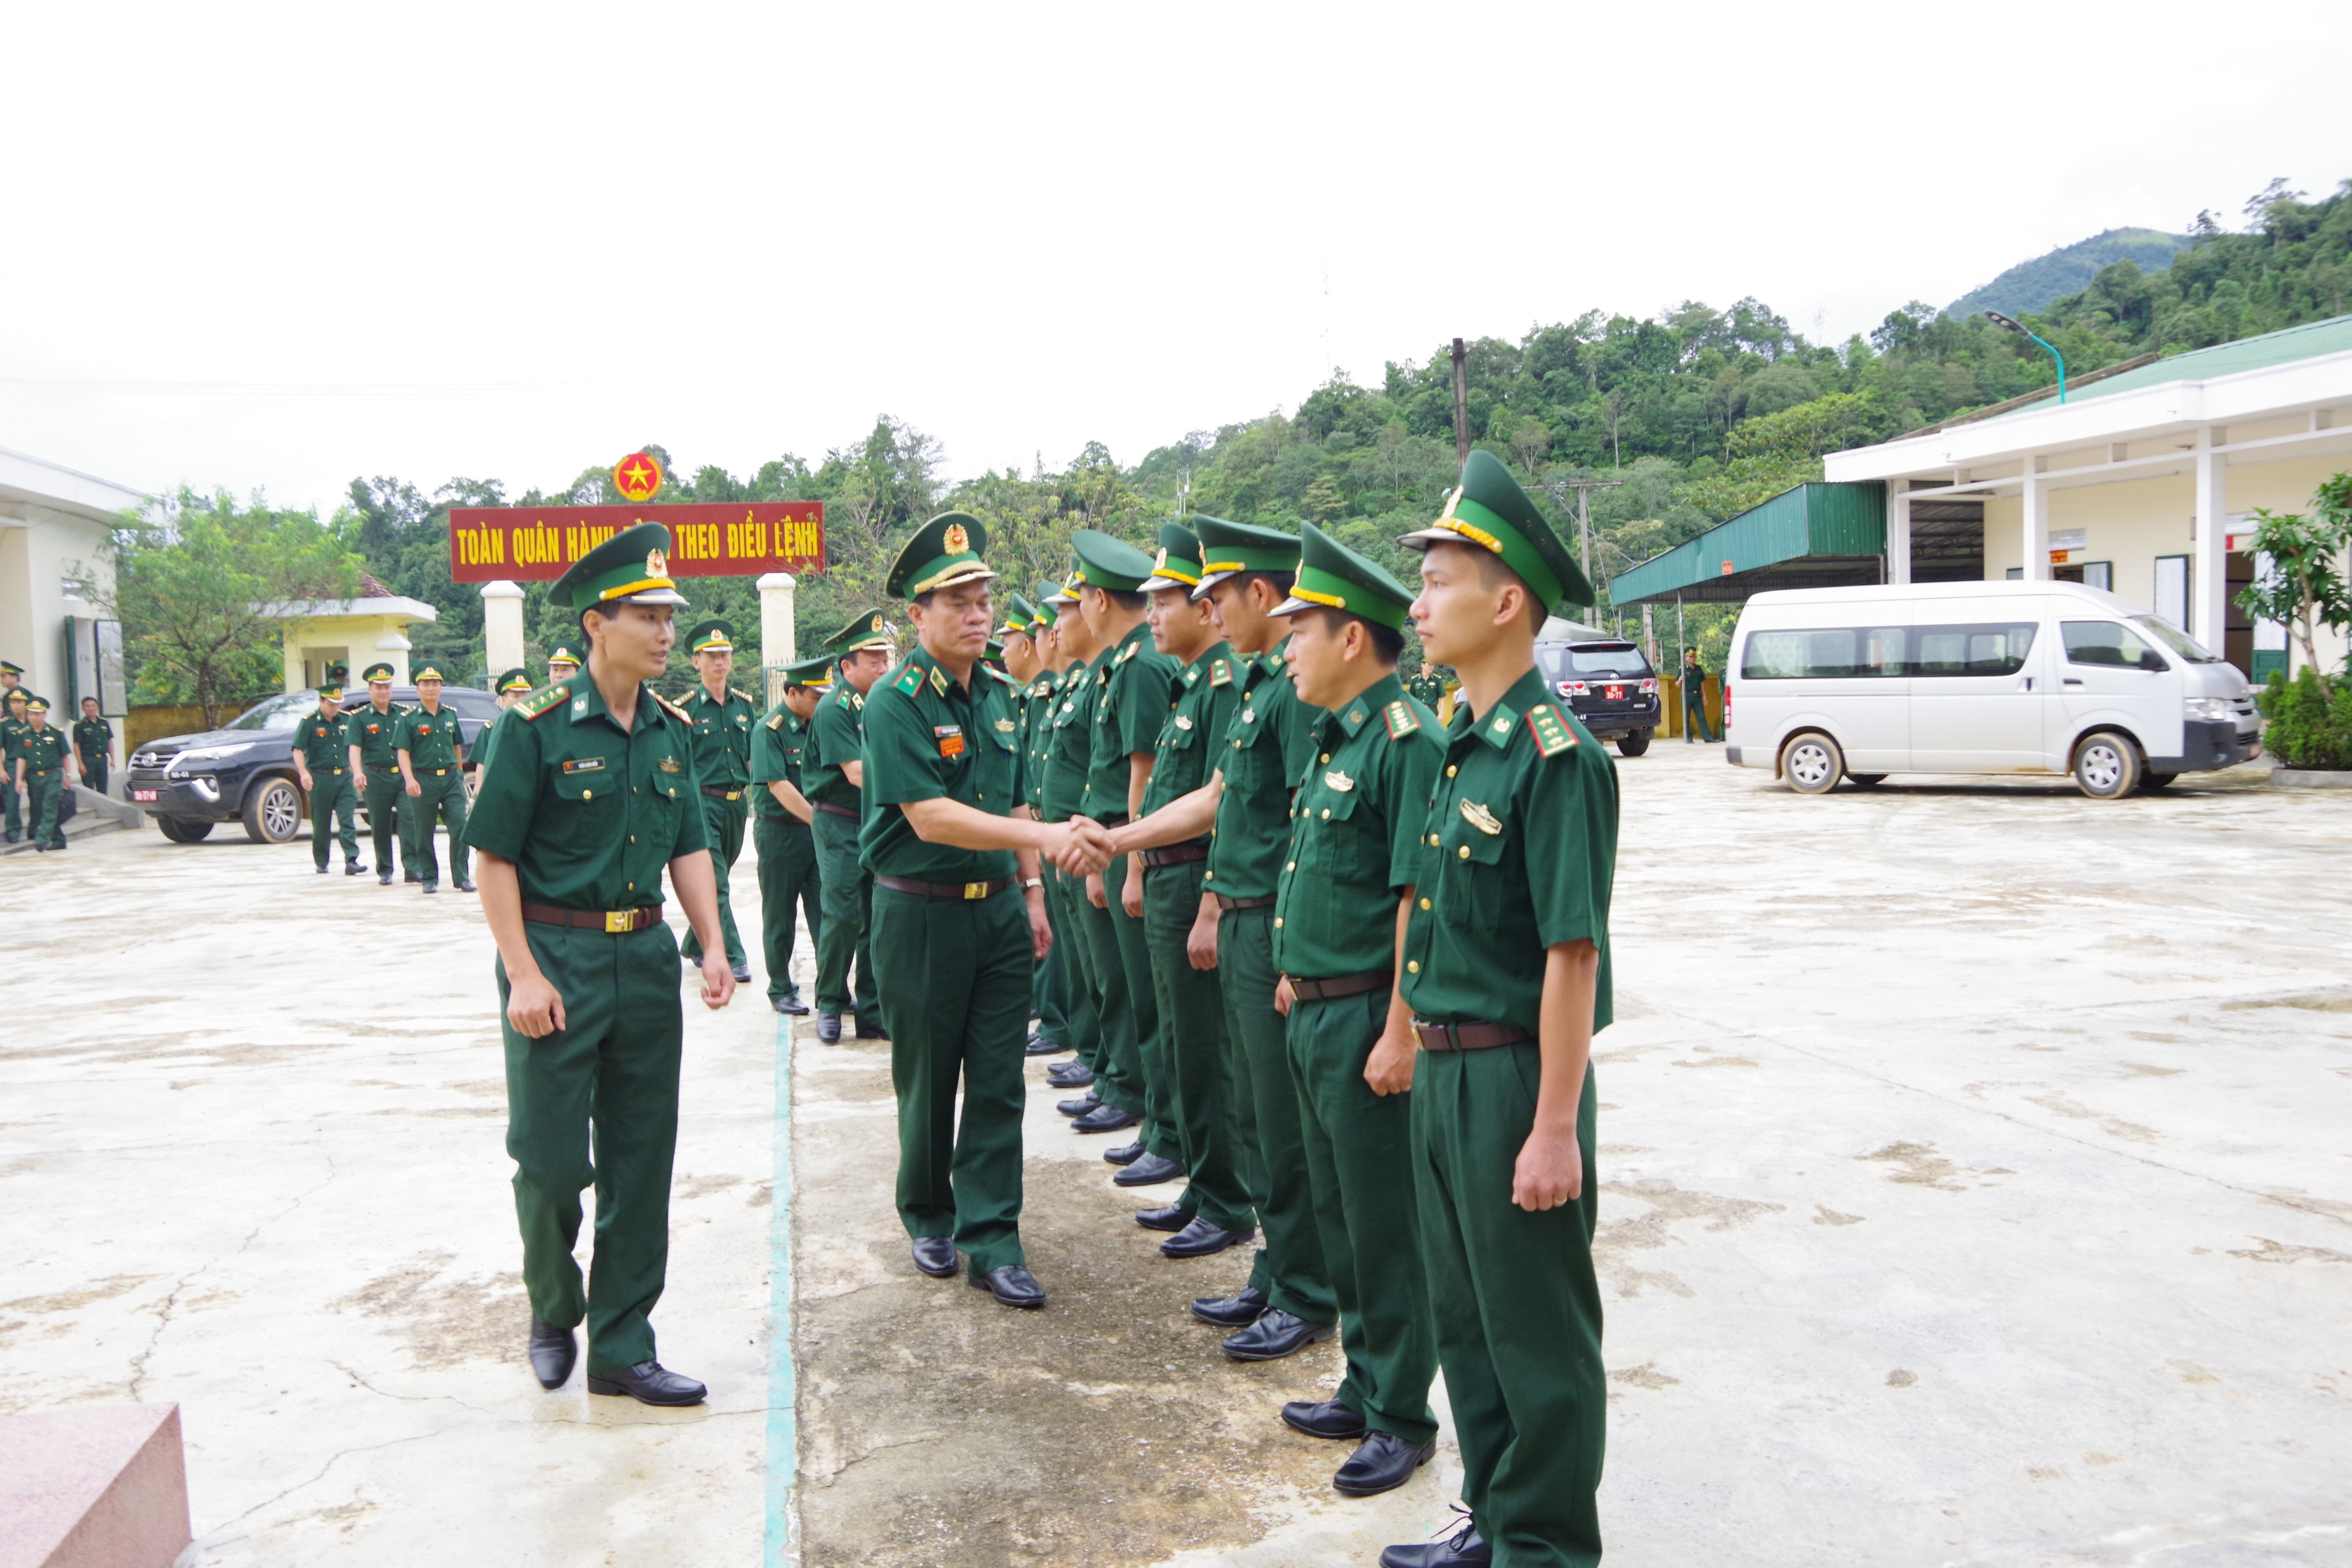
[
  {"x": 432, "y": 740},
  {"x": 1036, "y": 717},
  {"x": 1361, "y": 815},
  {"x": 588, "y": 812},
  {"x": 1207, "y": 697},
  {"x": 722, "y": 738},
  {"x": 778, "y": 742},
  {"x": 323, "y": 741},
  {"x": 1136, "y": 687},
  {"x": 42, "y": 750},
  {"x": 375, "y": 733},
  {"x": 1267, "y": 746},
  {"x": 94, "y": 739},
  {"x": 11, "y": 731},
  {"x": 836, "y": 736},
  {"x": 930, "y": 737},
  {"x": 1069, "y": 745},
  {"x": 1519, "y": 854}
]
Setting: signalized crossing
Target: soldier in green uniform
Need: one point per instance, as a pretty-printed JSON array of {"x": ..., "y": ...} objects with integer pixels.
[
  {"x": 781, "y": 836},
  {"x": 509, "y": 689},
  {"x": 375, "y": 770},
  {"x": 1507, "y": 972},
  {"x": 93, "y": 744},
  {"x": 562, "y": 664},
  {"x": 833, "y": 771},
  {"x": 322, "y": 762},
  {"x": 1338, "y": 916},
  {"x": 959, "y": 913},
  {"x": 722, "y": 771},
  {"x": 428, "y": 745},
  {"x": 586, "y": 800},
  {"x": 39, "y": 767},
  {"x": 1056, "y": 781},
  {"x": 12, "y": 725},
  {"x": 1023, "y": 661}
]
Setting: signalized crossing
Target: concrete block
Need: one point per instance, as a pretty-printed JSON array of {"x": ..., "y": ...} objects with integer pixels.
[
  {"x": 2309, "y": 778},
  {"x": 105, "y": 1487}
]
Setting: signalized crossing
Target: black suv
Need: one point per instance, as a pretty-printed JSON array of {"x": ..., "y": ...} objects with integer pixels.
[
  {"x": 244, "y": 770},
  {"x": 1609, "y": 685}
]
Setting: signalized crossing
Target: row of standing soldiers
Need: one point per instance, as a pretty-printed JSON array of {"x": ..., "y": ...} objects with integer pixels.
[{"x": 39, "y": 759}]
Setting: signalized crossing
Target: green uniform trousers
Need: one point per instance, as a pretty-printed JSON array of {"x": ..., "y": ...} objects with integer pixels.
[
  {"x": 10, "y": 820},
  {"x": 1045, "y": 996},
  {"x": 386, "y": 800},
  {"x": 1268, "y": 1127},
  {"x": 1192, "y": 1025},
  {"x": 332, "y": 805},
  {"x": 722, "y": 820},
  {"x": 954, "y": 977},
  {"x": 97, "y": 767},
  {"x": 1364, "y": 1203},
  {"x": 441, "y": 797},
  {"x": 597, "y": 1101},
  {"x": 1118, "y": 1065},
  {"x": 1152, "y": 1056},
  {"x": 1518, "y": 1310},
  {"x": 787, "y": 855},
  {"x": 1069, "y": 974},
  {"x": 848, "y": 895},
  {"x": 41, "y": 793}
]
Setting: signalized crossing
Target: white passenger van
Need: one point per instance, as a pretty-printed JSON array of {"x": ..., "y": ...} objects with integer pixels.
[{"x": 1977, "y": 678}]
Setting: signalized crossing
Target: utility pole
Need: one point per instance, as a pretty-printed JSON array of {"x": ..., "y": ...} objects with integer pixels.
[
  {"x": 1583, "y": 510},
  {"x": 1461, "y": 406}
]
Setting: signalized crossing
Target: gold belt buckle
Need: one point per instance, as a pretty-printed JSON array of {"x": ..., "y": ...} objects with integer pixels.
[
  {"x": 975, "y": 890},
  {"x": 734, "y": 795},
  {"x": 620, "y": 922}
]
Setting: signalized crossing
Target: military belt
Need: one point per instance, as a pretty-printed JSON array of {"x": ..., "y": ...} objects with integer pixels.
[
  {"x": 617, "y": 922},
  {"x": 1468, "y": 1037},
  {"x": 722, "y": 794},
  {"x": 1340, "y": 985},
  {"x": 1175, "y": 855},
  {"x": 436, "y": 772},
  {"x": 1227, "y": 906},
  {"x": 1116, "y": 819},
  {"x": 335, "y": 773},
  {"x": 837, "y": 810},
  {"x": 944, "y": 889}
]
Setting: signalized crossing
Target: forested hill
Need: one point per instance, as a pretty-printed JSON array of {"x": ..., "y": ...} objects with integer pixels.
[
  {"x": 1701, "y": 411},
  {"x": 2031, "y": 285}
]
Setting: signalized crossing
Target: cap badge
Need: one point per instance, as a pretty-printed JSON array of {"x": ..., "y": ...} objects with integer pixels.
[
  {"x": 956, "y": 541},
  {"x": 655, "y": 566}
]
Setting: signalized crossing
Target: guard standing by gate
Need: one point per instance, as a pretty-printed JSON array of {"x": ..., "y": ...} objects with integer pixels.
[
  {"x": 585, "y": 804},
  {"x": 427, "y": 747},
  {"x": 375, "y": 769},
  {"x": 722, "y": 771},
  {"x": 782, "y": 837},
  {"x": 322, "y": 761},
  {"x": 835, "y": 770}
]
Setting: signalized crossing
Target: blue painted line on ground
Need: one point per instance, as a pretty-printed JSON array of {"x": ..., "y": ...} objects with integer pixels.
[{"x": 780, "y": 1546}]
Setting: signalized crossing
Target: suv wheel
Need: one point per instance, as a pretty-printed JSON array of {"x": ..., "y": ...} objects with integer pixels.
[
  {"x": 1813, "y": 764},
  {"x": 1632, "y": 742},
  {"x": 182, "y": 829},
  {"x": 2106, "y": 766},
  {"x": 273, "y": 812}
]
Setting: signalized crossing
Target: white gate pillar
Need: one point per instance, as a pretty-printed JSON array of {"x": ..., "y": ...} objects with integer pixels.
[{"x": 502, "y": 625}]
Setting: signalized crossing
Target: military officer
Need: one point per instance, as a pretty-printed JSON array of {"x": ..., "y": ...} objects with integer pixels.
[
  {"x": 833, "y": 772},
  {"x": 1506, "y": 973},
  {"x": 1056, "y": 780},
  {"x": 1339, "y": 915},
  {"x": 375, "y": 770},
  {"x": 39, "y": 767},
  {"x": 322, "y": 762},
  {"x": 427, "y": 746},
  {"x": 782, "y": 837},
  {"x": 509, "y": 689},
  {"x": 93, "y": 744},
  {"x": 722, "y": 771},
  {"x": 12, "y": 725},
  {"x": 584, "y": 803},
  {"x": 562, "y": 664},
  {"x": 958, "y": 912},
  {"x": 1023, "y": 661}
]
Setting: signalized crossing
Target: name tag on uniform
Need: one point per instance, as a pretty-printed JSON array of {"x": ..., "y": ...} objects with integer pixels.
[
  {"x": 950, "y": 739},
  {"x": 584, "y": 764}
]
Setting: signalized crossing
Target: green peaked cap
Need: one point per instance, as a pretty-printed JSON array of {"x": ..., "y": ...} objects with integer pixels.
[
  {"x": 1054, "y": 596},
  {"x": 632, "y": 567},
  {"x": 8, "y": 668},
  {"x": 1230, "y": 547},
  {"x": 428, "y": 671},
  {"x": 710, "y": 637},
  {"x": 1107, "y": 562},
  {"x": 515, "y": 679},
  {"x": 1040, "y": 614},
  {"x": 944, "y": 551},
  {"x": 1490, "y": 510},
  {"x": 376, "y": 672},
  {"x": 1333, "y": 577},
  {"x": 813, "y": 673},
  {"x": 1020, "y": 616},
  {"x": 864, "y": 629},
  {"x": 1178, "y": 564},
  {"x": 561, "y": 654}
]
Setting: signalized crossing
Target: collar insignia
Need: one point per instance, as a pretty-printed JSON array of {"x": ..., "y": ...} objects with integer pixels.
[{"x": 939, "y": 680}]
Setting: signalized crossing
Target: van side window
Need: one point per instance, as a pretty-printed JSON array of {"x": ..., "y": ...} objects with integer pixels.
[
  {"x": 1977, "y": 649},
  {"x": 1830, "y": 653},
  {"x": 2109, "y": 643}
]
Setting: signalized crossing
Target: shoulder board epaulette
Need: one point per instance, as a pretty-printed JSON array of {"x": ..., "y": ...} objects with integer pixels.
[
  {"x": 673, "y": 709},
  {"x": 1129, "y": 651},
  {"x": 1551, "y": 731},
  {"x": 998, "y": 673},
  {"x": 776, "y": 721},
  {"x": 1221, "y": 673},
  {"x": 1401, "y": 719},
  {"x": 909, "y": 681},
  {"x": 743, "y": 697},
  {"x": 546, "y": 699}
]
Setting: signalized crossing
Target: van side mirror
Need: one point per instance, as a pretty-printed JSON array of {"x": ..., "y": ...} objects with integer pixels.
[{"x": 2151, "y": 659}]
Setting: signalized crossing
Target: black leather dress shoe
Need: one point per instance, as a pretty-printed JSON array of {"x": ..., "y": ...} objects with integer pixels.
[
  {"x": 936, "y": 1256},
  {"x": 385, "y": 880},
  {"x": 1011, "y": 1286},
  {"x": 353, "y": 869},
  {"x": 650, "y": 1382},
  {"x": 1080, "y": 1106},
  {"x": 872, "y": 1032},
  {"x": 1147, "y": 1170},
  {"x": 463, "y": 884},
  {"x": 1039, "y": 1045},
  {"x": 412, "y": 876},
  {"x": 1275, "y": 1334},
  {"x": 1381, "y": 1463},
  {"x": 791, "y": 1005},
  {"x": 1201, "y": 1239},
  {"x": 432, "y": 887},
  {"x": 1071, "y": 1074},
  {"x": 322, "y": 870},
  {"x": 1167, "y": 1216},
  {"x": 828, "y": 1028},
  {"x": 1124, "y": 1153},
  {"x": 1466, "y": 1548},
  {"x": 1104, "y": 1118},
  {"x": 1238, "y": 1310},
  {"x": 553, "y": 1353},
  {"x": 742, "y": 971},
  {"x": 1322, "y": 1418}
]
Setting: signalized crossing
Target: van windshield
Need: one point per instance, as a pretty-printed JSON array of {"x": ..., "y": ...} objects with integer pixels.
[{"x": 2176, "y": 639}]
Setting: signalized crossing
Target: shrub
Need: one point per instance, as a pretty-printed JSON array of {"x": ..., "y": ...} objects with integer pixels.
[{"x": 2304, "y": 730}]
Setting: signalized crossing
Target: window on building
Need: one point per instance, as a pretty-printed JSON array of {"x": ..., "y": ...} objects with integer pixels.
[{"x": 2172, "y": 588}]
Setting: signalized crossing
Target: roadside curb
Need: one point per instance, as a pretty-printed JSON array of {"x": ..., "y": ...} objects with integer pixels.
[{"x": 2309, "y": 778}]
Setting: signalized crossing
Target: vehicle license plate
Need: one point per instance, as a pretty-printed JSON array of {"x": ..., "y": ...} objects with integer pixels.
[
  {"x": 1616, "y": 694},
  {"x": 143, "y": 795}
]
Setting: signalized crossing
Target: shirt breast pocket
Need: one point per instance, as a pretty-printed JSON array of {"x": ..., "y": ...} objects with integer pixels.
[
  {"x": 992, "y": 768},
  {"x": 1475, "y": 887},
  {"x": 1354, "y": 846},
  {"x": 586, "y": 799}
]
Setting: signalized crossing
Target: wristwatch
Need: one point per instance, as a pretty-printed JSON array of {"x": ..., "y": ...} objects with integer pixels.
[{"x": 1032, "y": 882}]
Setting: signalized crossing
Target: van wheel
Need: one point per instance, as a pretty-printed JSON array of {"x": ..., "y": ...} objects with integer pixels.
[
  {"x": 2155, "y": 782},
  {"x": 1813, "y": 764},
  {"x": 182, "y": 829},
  {"x": 273, "y": 813},
  {"x": 2106, "y": 766},
  {"x": 1868, "y": 781},
  {"x": 1632, "y": 742}
]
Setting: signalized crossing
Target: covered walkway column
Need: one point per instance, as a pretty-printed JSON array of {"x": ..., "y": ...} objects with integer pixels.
[
  {"x": 502, "y": 627},
  {"x": 2208, "y": 567},
  {"x": 776, "y": 630},
  {"x": 2037, "y": 522},
  {"x": 1898, "y": 530}
]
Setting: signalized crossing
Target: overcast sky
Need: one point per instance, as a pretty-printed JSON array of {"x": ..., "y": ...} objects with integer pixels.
[{"x": 276, "y": 246}]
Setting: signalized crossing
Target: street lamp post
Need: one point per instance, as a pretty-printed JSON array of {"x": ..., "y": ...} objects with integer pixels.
[{"x": 1998, "y": 319}]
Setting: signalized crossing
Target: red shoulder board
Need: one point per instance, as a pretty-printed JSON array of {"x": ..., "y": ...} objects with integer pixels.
[
  {"x": 1401, "y": 719},
  {"x": 1220, "y": 672},
  {"x": 673, "y": 709},
  {"x": 1551, "y": 731},
  {"x": 546, "y": 699}
]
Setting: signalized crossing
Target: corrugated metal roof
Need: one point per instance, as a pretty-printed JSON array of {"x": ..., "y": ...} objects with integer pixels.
[
  {"x": 2306, "y": 341},
  {"x": 1832, "y": 524}
]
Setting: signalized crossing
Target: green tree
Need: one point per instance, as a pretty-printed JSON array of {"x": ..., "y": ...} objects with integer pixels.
[{"x": 2306, "y": 586}]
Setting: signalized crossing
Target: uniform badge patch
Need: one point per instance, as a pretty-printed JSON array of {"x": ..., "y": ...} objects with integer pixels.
[
  {"x": 1219, "y": 673},
  {"x": 584, "y": 764},
  {"x": 1480, "y": 817},
  {"x": 1339, "y": 782},
  {"x": 1551, "y": 731},
  {"x": 1184, "y": 722},
  {"x": 950, "y": 739},
  {"x": 909, "y": 681},
  {"x": 1006, "y": 725},
  {"x": 670, "y": 765},
  {"x": 1401, "y": 719}
]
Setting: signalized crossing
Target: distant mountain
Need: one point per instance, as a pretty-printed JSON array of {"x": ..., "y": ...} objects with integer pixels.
[{"x": 2031, "y": 285}]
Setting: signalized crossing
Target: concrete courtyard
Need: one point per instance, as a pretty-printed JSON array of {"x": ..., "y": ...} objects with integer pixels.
[{"x": 1976, "y": 1191}]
